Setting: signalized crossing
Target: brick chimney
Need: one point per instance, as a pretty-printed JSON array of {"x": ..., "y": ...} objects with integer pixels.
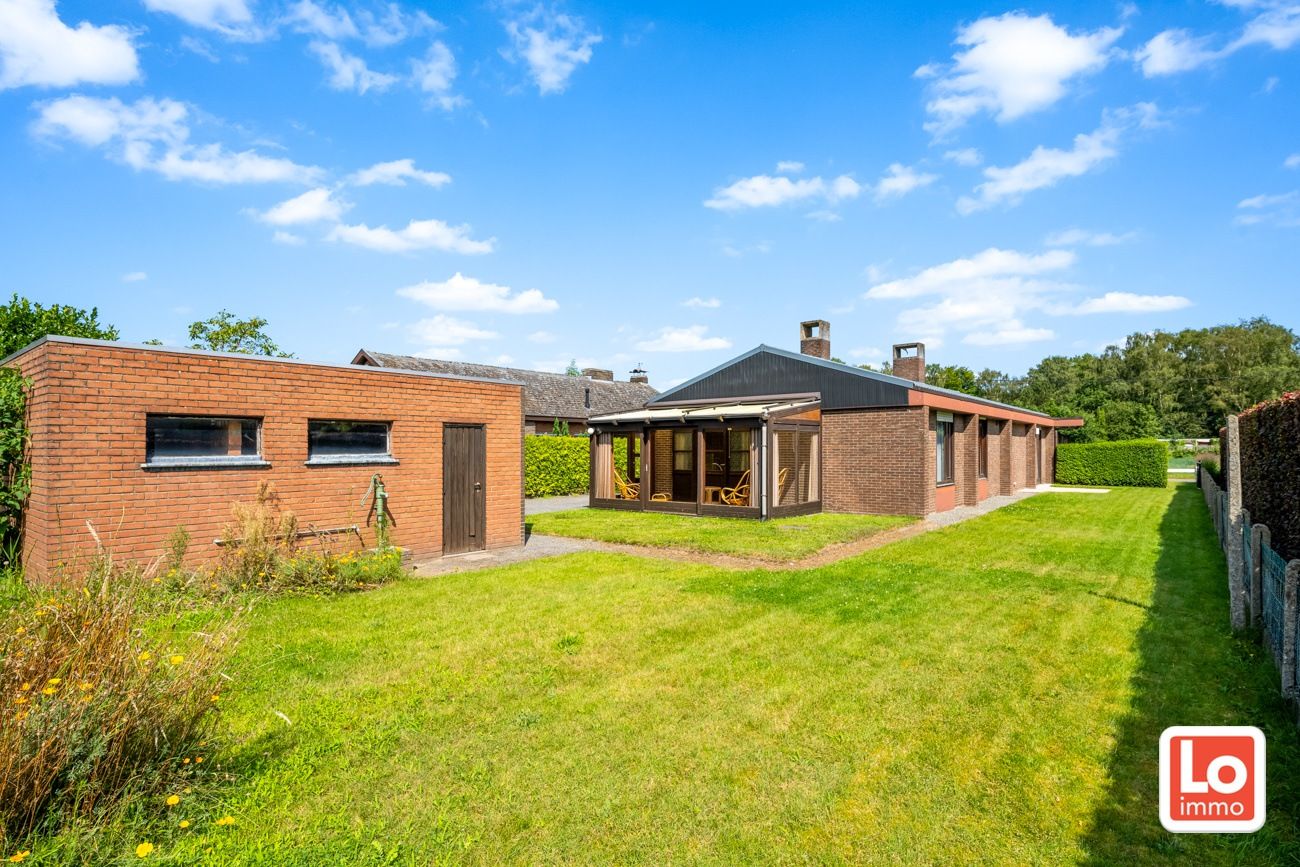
[
  {"x": 909, "y": 361},
  {"x": 598, "y": 373},
  {"x": 639, "y": 376},
  {"x": 815, "y": 338}
]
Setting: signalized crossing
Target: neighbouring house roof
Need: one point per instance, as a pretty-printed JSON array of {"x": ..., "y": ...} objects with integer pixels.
[
  {"x": 546, "y": 395},
  {"x": 769, "y": 372},
  {"x": 718, "y": 412}
]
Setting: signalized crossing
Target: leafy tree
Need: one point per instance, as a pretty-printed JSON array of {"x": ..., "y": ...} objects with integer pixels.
[
  {"x": 573, "y": 369},
  {"x": 955, "y": 377},
  {"x": 225, "y": 333},
  {"x": 23, "y": 321}
]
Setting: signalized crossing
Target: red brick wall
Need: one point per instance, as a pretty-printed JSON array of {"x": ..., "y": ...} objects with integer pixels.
[
  {"x": 87, "y": 417},
  {"x": 874, "y": 461},
  {"x": 1019, "y": 469}
]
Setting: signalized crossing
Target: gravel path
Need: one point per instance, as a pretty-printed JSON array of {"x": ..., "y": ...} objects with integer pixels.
[{"x": 538, "y": 505}]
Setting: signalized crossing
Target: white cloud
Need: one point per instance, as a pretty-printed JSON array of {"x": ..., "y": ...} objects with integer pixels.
[
  {"x": 964, "y": 156},
  {"x": 1012, "y": 65},
  {"x": 289, "y": 239},
  {"x": 1085, "y": 238},
  {"x": 1011, "y": 333},
  {"x": 1128, "y": 302},
  {"x": 705, "y": 303},
  {"x": 900, "y": 180},
  {"x": 1276, "y": 24},
  {"x": 986, "y": 270},
  {"x": 692, "y": 338},
  {"x": 153, "y": 135},
  {"x": 395, "y": 174},
  {"x": 824, "y": 215},
  {"x": 313, "y": 206},
  {"x": 466, "y": 293},
  {"x": 1174, "y": 51},
  {"x": 1045, "y": 167},
  {"x": 789, "y": 167},
  {"x": 435, "y": 75},
  {"x": 1274, "y": 209},
  {"x": 762, "y": 191},
  {"x": 1292, "y": 162},
  {"x": 349, "y": 72},
  {"x": 418, "y": 235},
  {"x": 194, "y": 45},
  {"x": 231, "y": 17},
  {"x": 552, "y": 45},
  {"x": 542, "y": 337},
  {"x": 336, "y": 24},
  {"x": 443, "y": 330},
  {"x": 37, "y": 49},
  {"x": 134, "y": 277}
]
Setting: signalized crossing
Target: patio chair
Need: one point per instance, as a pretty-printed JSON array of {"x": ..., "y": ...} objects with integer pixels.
[
  {"x": 739, "y": 495},
  {"x": 627, "y": 490}
]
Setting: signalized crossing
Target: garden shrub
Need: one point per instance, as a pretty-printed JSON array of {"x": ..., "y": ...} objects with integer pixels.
[
  {"x": 15, "y": 472},
  {"x": 1270, "y": 469},
  {"x": 556, "y": 465},
  {"x": 1131, "y": 463},
  {"x": 1210, "y": 466},
  {"x": 109, "y": 692}
]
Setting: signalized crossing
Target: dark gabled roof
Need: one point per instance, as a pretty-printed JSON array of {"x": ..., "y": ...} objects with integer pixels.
[
  {"x": 546, "y": 395},
  {"x": 769, "y": 371}
]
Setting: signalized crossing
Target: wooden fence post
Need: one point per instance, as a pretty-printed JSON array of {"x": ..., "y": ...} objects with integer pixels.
[
  {"x": 1289, "y": 627},
  {"x": 1233, "y": 532}
]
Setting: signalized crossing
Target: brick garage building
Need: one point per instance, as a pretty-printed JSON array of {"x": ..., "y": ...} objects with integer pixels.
[
  {"x": 774, "y": 433},
  {"x": 139, "y": 440}
]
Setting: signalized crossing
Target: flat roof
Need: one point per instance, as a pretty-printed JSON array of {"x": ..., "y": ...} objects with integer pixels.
[
  {"x": 719, "y": 411},
  {"x": 241, "y": 356}
]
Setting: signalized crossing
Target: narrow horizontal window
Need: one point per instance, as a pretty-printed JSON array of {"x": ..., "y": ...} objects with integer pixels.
[
  {"x": 348, "y": 442},
  {"x": 182, "y": 440}
]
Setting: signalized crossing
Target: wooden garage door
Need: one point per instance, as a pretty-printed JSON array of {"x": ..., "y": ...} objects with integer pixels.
[{"x": 464, "y": 488}]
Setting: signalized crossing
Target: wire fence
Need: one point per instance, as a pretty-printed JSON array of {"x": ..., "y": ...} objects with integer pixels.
[{"x": 1262, "y": 585}]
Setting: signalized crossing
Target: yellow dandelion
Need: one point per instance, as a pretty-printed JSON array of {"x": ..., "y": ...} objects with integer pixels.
[
  {"x": 25, "y": 687},
  {"x": 87, "y": 697},
  {"x": 185, "y": 761},
  {"x": 20, "y": 716},
  {"x": 145, "y": 656},
  {"x": 173, "y": 800},
  {"x": 49, "y": 690},
  {"x": 226, "y": 820},
  {"x": 19, "y": 857},
  {"x": 22, "y": 699},
  {"x": 85, "y": 686},
  {"x": 185, "y": 823},
  {"x": 143, "y": 850},
  {"x": 20, "y": 631},
  {"x": 198, "y": 760},
  {"x": 54, "y": 681},
  {"x": 176, "y": 659},
  {"x": 216, "y": 698}
]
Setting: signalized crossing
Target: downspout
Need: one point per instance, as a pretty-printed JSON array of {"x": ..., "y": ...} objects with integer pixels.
[{"x": 762, "y": 502}]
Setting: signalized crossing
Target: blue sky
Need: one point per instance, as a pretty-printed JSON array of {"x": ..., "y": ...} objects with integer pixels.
[{"x": 670, "y": 185}]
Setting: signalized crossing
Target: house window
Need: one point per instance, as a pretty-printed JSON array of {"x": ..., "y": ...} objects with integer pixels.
[
  {"x": 738, "y": 451},
  {"x": 984, "y": 448},
  {"x": 334, "y": 441},
  {"x": 943, "y": 451},
  {"x": 683, "y": 450},
  {"x": 187, "y": 440}
]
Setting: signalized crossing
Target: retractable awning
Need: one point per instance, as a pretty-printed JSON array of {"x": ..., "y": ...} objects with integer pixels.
[{"x": 717, "y": 412}]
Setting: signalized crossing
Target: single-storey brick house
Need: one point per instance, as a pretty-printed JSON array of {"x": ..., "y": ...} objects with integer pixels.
[
  {"x": 773, "y": 433},
  {"x": 138, "y": 440},
  {"x": 548, "y": 397}
]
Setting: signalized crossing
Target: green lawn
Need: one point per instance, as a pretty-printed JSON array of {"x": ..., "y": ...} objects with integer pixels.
[
  {"x": 780, "y": 539},
  {"x": 990, "y": 692}
]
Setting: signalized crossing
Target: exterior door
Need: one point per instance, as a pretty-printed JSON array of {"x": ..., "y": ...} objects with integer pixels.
[{"x": 464, "y": 488}]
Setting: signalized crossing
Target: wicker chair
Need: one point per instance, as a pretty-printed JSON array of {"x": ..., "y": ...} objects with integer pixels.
[{"x": 739, "y": 495}]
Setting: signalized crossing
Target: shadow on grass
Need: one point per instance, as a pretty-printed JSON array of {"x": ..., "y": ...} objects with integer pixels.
[{"x": 1193, "y": 671}]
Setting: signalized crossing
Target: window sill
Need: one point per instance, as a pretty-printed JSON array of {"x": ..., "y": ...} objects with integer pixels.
[
  {"x": 206, "y": 464},
  {"x": 353, "y": 461},
  {"x": 944, "y": 484}
]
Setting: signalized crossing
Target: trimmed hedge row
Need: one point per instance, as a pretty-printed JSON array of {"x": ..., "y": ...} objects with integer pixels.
[
  {"x": 1126, "y": 463},
  {"x": 1270, "y": 469},
  {"x": 556, "y": 465}
]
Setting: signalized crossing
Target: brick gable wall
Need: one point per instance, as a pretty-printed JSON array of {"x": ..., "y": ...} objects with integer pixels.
[
  {"x": 87, "y": 417},
  {"x": 874, "y": 461}
]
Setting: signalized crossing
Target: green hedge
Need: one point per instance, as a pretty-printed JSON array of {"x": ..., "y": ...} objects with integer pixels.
[
  {"x": 1126, "y": 463},
  {"x": 555, "y": 465}
]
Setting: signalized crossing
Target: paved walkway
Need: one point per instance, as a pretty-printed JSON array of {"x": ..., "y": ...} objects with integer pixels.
[
  {"x": 537, "y": 546},
  {"x": 538, "y": 505}
]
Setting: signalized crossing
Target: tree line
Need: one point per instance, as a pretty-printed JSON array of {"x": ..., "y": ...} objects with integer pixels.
[{"x": 1157, "y": 384}]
